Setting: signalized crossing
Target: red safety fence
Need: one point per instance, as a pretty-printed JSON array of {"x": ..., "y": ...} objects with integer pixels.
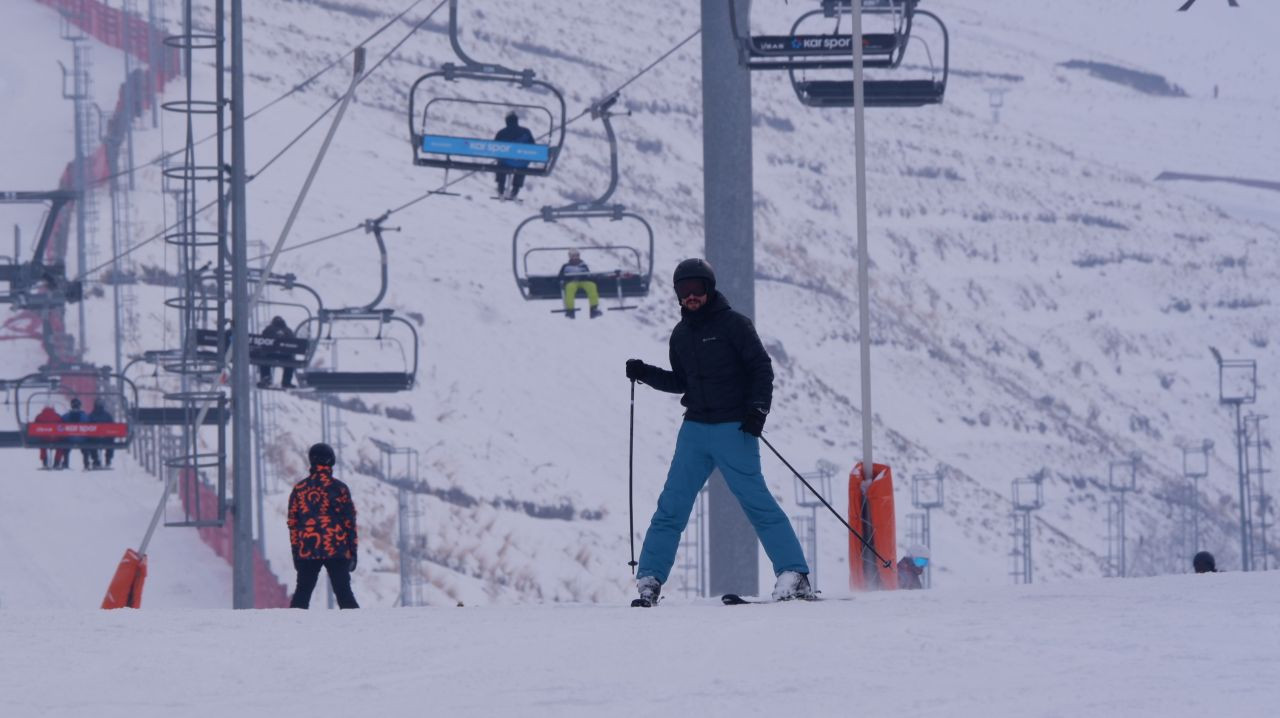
[
  {"x": 268, "y": 592},
  {"x": 131, "y": 33},
  {"x": 134, "y": 35}
]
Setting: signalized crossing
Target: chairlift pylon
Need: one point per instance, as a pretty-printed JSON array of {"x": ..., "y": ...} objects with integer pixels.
[
  {"x": 434, "y": 147},
  {"x": 619, "y": 283},
  {"x": 37, "y": 284}
]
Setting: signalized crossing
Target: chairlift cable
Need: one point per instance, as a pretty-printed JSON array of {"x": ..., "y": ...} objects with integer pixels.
[
  {"x": 449, "y": 183},
  {"x": 335, "y": 103},
  {"x": 586, "y": 111},
  {"x": 417, "y": 26},
  {"x": 289, "y": 93}
]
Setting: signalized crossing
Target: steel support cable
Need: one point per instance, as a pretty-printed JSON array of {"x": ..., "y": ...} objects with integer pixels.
[
  {"x": 385, "y": 57},
  {"x": 291, "y": 92},
  {"x": 586, "y": 111},
  {"x": 459, "y": 178}
]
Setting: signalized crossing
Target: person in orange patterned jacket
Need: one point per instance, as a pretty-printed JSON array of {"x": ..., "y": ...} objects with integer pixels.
[{"x": 322, "y": 531}]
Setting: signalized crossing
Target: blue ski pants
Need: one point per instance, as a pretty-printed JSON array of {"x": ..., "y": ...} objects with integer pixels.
[{"x": 699, "y": 449}]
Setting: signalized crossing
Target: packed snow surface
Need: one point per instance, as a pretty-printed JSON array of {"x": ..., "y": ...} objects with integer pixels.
[
  {"x": 63, "y": 532},
  {"x": 1169, "y": 646}
]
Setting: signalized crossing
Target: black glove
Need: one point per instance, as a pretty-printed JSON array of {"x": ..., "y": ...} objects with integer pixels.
[
  {"x": 355, "y": 557},
  {"x": 636, "y": 369},
  {"x": 754, "y": 423}
]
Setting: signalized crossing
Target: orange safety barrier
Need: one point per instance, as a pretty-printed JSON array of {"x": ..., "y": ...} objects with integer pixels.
[
  {"x": 874, "y": 519},
  {"x": 125, "y": 590}
]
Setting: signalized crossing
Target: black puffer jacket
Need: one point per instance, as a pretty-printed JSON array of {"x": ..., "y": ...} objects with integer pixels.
[{"x": 718, "y": 363}]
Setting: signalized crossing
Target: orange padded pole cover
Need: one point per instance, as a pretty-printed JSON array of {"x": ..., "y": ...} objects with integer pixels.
[
  {"x": 871, "y": 514},
  {"x": 125, "y": 590}
]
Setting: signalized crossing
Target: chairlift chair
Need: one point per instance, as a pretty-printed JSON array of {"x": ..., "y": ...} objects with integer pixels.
[
  {"x": 171, "y": 415},
  {"x": 56, "y": 388},
  {"x": 831, "y": 50},
  {"x": 434, "y": 145},
  {"x": 392, "y": 333},
  {"x": 895, "y": 92},
  {"x": 264, "y": 350},
  {"x": 628, "y": 281}
]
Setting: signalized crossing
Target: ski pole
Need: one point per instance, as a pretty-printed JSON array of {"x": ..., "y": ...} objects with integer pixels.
[
  {"x": 631, "y": 475},
  {"x": 857, "y": 535}
]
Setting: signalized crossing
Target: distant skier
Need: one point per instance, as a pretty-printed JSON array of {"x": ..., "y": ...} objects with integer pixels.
[
  {"x": 322, "y": 531},
  {"x": 47, "y": 415},
  {"x": 912, "y": 567},
  {"x": 100, "y": 415},
  {"x": 513, "y": 132},
  {"x": 278, "y": 330},
  {"x": 75, "y": 416},
  {"x": 726, "y": 377},
  {"x": 574, "y": 276},
  {"x": 1204, "y": 563}
]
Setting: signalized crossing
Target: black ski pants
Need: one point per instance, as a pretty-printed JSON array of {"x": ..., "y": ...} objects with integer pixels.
[
  {"x": 309, "y": 573},
  {"x": 517, "y": 181}
]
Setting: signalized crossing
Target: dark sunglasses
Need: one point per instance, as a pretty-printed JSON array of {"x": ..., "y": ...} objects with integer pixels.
[{"x": 690, "y": 287}]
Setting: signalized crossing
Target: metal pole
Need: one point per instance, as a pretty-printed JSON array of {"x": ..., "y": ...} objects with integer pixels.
[
  {"x": 1124, "y": 566},
  {"x": 1026, "y": 544},
  {"x": 259, "y": 472},
  {"x": 82, "y": 182},
  {"x": 1263, "y": 499},
  {"x": 155, "y": 63},
  {"x": 927, "y": 540},
  {"x": 864, "y": 288},
  {"x": 730, "y": 248},
  {"x": 127, "y": 14},
  {"x": 1244, "y": 492},
  {"x": 1195, "y": 515},
  {"x": 242, "y": 479}
]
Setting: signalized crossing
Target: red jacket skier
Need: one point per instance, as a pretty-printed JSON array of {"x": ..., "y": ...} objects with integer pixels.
[{"x": 47, "y": 415}]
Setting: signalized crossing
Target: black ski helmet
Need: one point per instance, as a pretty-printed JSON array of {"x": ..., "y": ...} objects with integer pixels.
[
  {"x": 321, "y": 455},
  {"x": 695, "y": 268},
  {"x": 1204, "y": 563}
]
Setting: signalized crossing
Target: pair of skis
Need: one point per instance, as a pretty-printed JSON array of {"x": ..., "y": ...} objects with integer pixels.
[{"x": 729, "y": 599}]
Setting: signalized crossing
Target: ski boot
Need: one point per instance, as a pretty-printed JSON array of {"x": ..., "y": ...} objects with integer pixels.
[
  {"x": 649, "y": 589},
  {"x": 596, "y": 313},
  {"x": 793, "y": 585}
]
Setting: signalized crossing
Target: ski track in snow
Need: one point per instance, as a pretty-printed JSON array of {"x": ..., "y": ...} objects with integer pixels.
[{"x": 1170, "y": 647}]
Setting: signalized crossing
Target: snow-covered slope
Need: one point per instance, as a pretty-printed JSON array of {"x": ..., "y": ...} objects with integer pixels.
[
  {"x": 1169, "y": 646},
  {"x": 63, "y": 533},
  {"x": 1039, "y": 302}
]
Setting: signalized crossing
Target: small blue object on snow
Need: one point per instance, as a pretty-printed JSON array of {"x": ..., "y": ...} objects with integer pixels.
[{"x": 473, "y": 147}]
